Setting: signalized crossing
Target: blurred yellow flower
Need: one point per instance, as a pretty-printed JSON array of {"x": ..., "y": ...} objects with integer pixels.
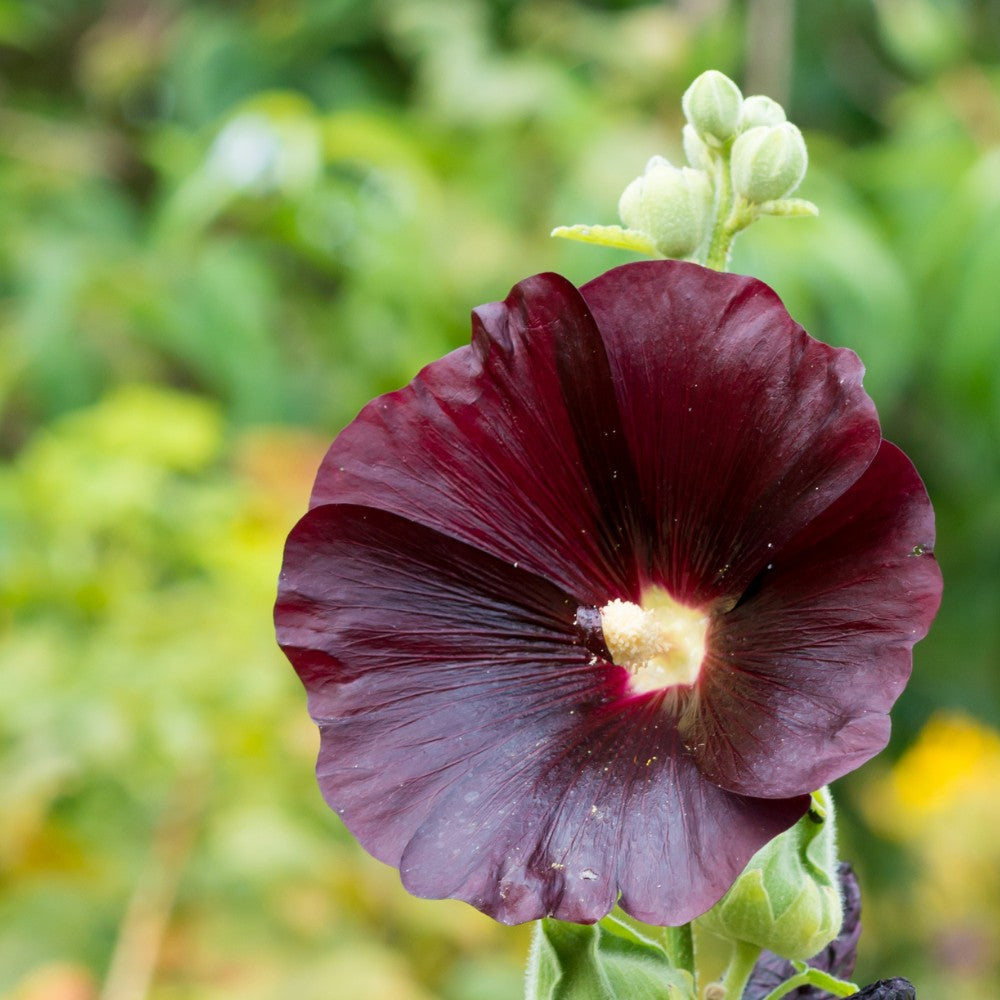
[
  {"x": 955, "y": 759},
  {"x": 941, "y": 800}
]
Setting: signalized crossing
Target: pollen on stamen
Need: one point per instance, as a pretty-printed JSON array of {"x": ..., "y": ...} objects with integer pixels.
[{"x": 660, "y": 642}]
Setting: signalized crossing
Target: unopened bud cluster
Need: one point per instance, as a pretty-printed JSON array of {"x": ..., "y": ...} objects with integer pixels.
[
  {"x": 744, "y": 160},
  {"x": 766, "y": 152}
]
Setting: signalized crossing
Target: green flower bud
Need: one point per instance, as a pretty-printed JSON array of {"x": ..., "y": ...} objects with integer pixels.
[
  {"x": 769, "y": 162},
  {"x": 630, "y": 204},
  {"x": 788, "y": 898},
  {"x": 760, "y": 110},
  {"x": 670, "y": 205},
  {"x": 712, "y": 105},
  {"x": 697, "y": 153}
]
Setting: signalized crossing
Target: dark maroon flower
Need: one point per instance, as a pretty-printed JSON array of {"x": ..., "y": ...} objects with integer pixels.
[
  {"x": 837, "y": 958},
  {"x": 590, "y": 606},
  {"x": 887, "y": 989}
]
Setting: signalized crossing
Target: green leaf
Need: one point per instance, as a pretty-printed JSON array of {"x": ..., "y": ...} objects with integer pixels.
[
  {"x": 605, "y": 961},
  {"x": 788, "y": 207},
  {"x": 609, "y": 236}
]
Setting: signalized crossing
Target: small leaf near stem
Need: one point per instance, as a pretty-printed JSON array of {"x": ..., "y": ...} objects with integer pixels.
[
  {"x": 609, "y": 236},
  {"x": 789, "y": 208},
  {"x": 809, "y": 976}
]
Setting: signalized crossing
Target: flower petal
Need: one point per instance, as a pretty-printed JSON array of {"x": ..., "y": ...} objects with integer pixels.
[
  {"x": 471, "y": 737},
  {"x": 621, "y": 806},
  {"x": 802, "y": 673},
  {"x": 513, "y": 444},
  {"x": 419, "y": 653},
  {"x": 741, "y": 426},
  {"x": 685, "y": 840}
]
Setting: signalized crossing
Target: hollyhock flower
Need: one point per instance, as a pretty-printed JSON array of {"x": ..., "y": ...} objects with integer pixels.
[{"x": 585, "y": 610}]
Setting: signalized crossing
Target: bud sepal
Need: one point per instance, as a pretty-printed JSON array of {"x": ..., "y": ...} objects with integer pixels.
[
  {"x": 610, "y": 960},
  {"x": 788, "y": 898}
]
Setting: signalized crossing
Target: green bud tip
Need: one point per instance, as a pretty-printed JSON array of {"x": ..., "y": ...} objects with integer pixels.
[
  {"x": 760, "y": 110},
  {"x": 712, "y": 105},
  {"x": 768, "y": 162}
]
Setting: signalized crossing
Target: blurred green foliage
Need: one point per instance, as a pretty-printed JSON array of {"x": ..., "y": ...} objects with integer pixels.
[{"x": 223, "y": 227}]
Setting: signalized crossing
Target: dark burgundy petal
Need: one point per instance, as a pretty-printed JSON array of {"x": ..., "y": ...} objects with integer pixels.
[
  {"x": 420, "y": 655},
  {"x": 512, "y": 444},
  {"x": 684, "y": 841},
  {"x": 471, "y": 738},
  {"x": 613, "y": 803},
  {"x": 802, "y": 672},
  {"x": 741, "y": 426},
  {"x": 837, "y": 958}
]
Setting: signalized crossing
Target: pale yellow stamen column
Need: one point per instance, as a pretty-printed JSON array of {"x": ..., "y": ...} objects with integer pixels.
[{"x": 660, "y": 642}]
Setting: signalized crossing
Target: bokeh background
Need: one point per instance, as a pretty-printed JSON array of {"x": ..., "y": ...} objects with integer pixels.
[{"x": 226, "y": 224}]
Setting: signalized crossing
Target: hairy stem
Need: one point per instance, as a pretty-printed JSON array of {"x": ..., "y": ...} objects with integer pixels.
[
  {"x": 722, "y": 239},
  {"x": 679, "y": 942},
  {"x": 741, "y": 964}
]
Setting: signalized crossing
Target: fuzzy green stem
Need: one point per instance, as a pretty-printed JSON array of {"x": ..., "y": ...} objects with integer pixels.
[
  {"x": 741, "y": 964},
  {"x": 722, "y": 239},
  {"x": 679, "y": 943}
]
